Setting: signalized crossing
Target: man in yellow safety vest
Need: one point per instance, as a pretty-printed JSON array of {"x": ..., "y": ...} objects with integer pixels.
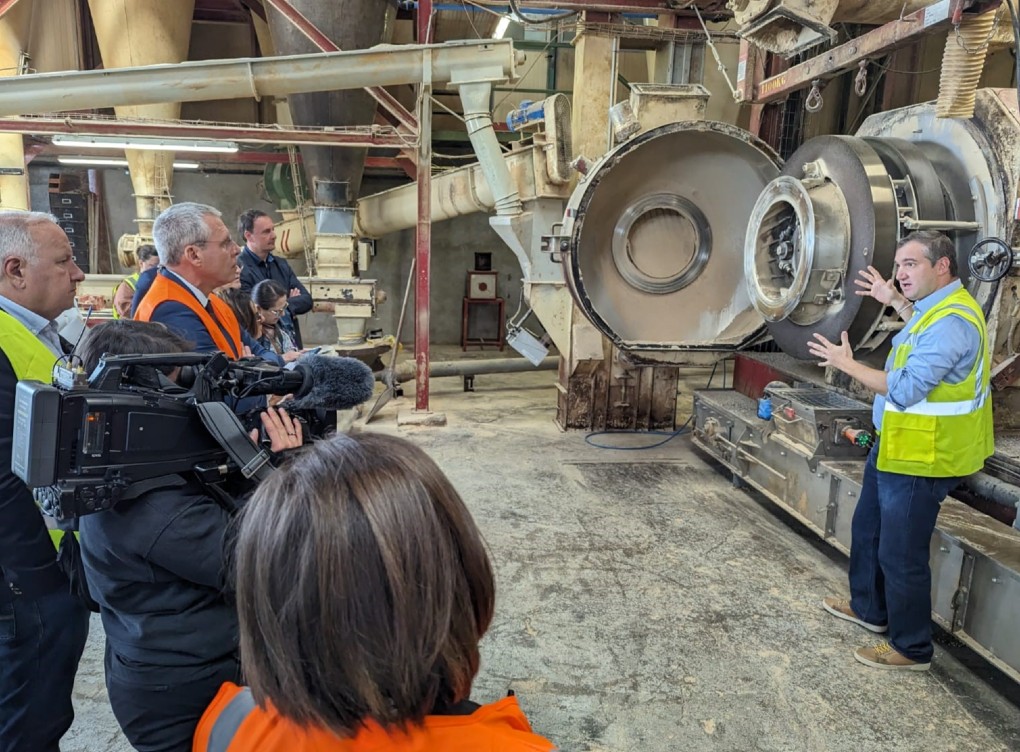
[
  {"x": 43, "y": 626},
  {"x": 933, "y": 416}
]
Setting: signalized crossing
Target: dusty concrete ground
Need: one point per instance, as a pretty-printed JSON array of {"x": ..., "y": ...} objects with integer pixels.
[{"x": 646, "y": 604}]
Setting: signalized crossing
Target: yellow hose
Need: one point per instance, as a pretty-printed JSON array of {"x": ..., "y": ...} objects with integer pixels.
[{"x": 962, "y": 65}]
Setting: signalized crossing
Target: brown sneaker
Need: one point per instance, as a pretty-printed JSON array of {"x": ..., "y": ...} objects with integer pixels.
[
  {"x": 884, "y": 656},
  {"x": 840, "y": 608}
]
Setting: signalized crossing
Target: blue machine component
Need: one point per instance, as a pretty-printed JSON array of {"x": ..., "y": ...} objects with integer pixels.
[{"x": 528, "y": 114}]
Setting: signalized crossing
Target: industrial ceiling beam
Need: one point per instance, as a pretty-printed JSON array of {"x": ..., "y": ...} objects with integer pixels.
[
  {"x": 353, "y": 136},
  {"x": 324, "y": 43},
  {"x": 878, "y": 41},
  {"x": 277, "y": 76},
  {"x": 656, "y": 7}
]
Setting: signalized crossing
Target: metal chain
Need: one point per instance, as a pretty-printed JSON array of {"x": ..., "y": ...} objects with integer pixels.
[{"x": 984, "y": 45}]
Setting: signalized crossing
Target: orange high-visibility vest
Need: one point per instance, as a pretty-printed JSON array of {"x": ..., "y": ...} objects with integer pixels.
[
  {"x": 165, "y": 289},
  {"x": 233, "y": 723}
]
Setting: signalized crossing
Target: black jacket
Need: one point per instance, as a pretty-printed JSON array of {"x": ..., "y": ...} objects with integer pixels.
[
  {"x": 28, "y": 560},
  {"x": 254, "y": 270},
  {"x": 157, "y": 568}
]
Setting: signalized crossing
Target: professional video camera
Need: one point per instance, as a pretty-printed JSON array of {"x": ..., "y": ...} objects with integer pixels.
[{"x": 87, "y": 443}]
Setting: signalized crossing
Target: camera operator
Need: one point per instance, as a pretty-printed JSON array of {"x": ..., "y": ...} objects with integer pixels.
[
  {"x": 43, "y": 626},
  {"x": 156, "y": 566},
  {"x": 197, "y": 255}
]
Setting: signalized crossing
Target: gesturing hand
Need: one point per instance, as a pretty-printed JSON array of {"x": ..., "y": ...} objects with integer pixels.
[
  {"x": 831, "y": 354},
  {"x": 873, "y": 284}
]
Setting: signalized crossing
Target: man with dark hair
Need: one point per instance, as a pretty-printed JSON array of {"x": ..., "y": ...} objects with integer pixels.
[
  {"x": 124, "y": 293},
  {"x": 258, "y": 263},
  {"x": 43, "y": 626},
  {"x": 933, "y": 418}
]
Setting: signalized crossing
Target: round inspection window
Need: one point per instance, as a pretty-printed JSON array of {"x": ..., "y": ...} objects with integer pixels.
[{"x": 661, "y": 243}]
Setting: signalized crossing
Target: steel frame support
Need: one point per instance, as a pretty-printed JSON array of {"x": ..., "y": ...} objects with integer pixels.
[
  {"x": 404, "y": 118},
  {"x": 426, "y": 31},
  {"x": 423, "y": 240},
  {"x": 879, "y": 41}
]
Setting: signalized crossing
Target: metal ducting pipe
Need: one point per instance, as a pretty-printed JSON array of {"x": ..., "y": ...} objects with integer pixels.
[
  {"x": 228, "y": 79},
  {"x": 455, "y": 193},
  {"x": 478, "y": 119},
  {"x": 136, "y": 33},
  {"x": 406, "y": 371}
]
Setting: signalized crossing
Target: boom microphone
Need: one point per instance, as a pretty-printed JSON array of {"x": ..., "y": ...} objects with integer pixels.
[{"x": 337, "y": 383}]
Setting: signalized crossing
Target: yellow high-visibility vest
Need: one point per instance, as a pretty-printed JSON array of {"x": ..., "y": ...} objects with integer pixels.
[{"x": 948, "y": 434}]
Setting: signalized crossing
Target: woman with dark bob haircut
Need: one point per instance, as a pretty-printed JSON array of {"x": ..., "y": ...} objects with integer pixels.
[{"x": 363, "y": 588}]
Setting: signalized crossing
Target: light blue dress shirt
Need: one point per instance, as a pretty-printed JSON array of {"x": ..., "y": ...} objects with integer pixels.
[{"x": 944, "y": 351}]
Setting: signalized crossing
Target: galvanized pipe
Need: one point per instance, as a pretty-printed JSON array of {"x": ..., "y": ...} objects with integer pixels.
[
  {"x": 406, "y": 370},
  {"x": 384, "y": 65}
]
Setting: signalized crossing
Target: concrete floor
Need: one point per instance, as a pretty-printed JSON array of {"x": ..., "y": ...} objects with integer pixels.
[{"x": 646, "y": 604}]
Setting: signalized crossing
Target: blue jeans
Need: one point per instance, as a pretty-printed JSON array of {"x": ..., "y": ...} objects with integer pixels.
[
  {"x": 890, "y": 578},
  {"x": 41, "y": 641}
]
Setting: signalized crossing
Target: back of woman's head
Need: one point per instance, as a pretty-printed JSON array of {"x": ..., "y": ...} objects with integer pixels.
[
  {"x": 266, "y": 293},
  {"x": 363, "y": 586},
  {"x": 240, "y": 303}
]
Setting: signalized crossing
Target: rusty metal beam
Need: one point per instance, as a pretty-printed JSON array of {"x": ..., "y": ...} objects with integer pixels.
[
  {"x": 879, "y": 41},
  {"x": 363, "y": 137},
  {"x": 324, "y": 43},
  {"x": 423, "y": 248},
  {"x": 426, "y": 31},
  {"x": 6, "y": 5},
  {"x": 659, "y": 7}
]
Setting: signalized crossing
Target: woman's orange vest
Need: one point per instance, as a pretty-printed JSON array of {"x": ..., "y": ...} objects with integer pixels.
[
  {"x": 164, "y": 289},
  {"x": 498, "y": 727}
]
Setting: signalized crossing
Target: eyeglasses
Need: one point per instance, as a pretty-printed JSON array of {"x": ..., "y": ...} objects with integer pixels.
[
  {"x": 224, "y": 245},
  {"x": 279, "y": 311}
]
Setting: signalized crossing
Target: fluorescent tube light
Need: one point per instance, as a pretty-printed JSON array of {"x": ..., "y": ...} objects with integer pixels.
[
  {"x": 114, "y": 162},
  {"x": 140, "y": 142}
]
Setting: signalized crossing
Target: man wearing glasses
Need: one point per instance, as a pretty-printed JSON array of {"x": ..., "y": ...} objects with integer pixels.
[
  {"x": 197, "y": 255},
  {"x": 259, "y": 263}
]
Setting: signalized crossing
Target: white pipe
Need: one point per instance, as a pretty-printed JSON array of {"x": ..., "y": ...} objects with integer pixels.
[
  {"x": 475, "y": 99},
  {"x": 383, "y": 65}
]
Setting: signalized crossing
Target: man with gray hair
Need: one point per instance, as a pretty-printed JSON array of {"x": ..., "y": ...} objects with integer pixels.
[
  {"x": 43, "y": 626},
  {"x": 197, "y": 255}
]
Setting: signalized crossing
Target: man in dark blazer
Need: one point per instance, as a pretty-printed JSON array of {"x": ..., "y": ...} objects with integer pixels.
[{"x": 258, "y": 263}]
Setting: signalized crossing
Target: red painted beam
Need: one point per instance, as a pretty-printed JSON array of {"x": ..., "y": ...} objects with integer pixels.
[{"x": 6, "y": 5}]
